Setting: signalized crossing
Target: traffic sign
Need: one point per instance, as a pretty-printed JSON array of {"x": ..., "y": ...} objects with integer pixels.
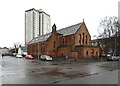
[{"x": 110, "y": 50}]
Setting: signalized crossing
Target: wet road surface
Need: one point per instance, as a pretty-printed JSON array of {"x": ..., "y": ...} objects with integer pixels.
[{"x": 25, "y": 71}]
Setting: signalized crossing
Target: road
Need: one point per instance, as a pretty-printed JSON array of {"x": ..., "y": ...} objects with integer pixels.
[{"x": 25, "y": 71}]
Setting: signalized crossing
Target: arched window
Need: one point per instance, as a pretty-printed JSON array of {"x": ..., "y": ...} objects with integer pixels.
[
  {"x": 86, "y": 39},
  {"x": 83, "y": 39},
  {"x": 96, "y": 53},
  {"x": 87, "y": 53},
  {"x": 53, "y": 44},
  {"x": 63, "y": 40},
  {"x": 80, "y": 38},
  {"x": 66, "y": 40}
]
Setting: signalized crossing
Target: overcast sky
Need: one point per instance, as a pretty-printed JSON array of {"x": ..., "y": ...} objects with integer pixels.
[{"x": 63, "y": 12}]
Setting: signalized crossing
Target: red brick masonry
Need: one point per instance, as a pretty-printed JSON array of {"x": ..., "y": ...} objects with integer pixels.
[{"x": 73, "y": 41}]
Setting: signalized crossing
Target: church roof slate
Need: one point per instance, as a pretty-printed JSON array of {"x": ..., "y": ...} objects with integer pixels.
[{"x": 65, "y": 31}]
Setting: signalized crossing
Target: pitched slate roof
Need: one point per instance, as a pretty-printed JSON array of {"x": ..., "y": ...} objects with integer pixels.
[
  {"x": 65, "y": 31},
  {"x": 69, "y": 30},
  {"x": 40, "y": 38}
]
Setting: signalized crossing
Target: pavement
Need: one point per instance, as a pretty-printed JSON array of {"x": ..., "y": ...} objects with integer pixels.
[{"x": 25, "y": 71}]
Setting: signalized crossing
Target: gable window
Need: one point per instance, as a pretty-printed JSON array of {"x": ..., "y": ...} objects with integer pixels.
[
  {"x": 83, "y": 38},
  {"x": 66, "y": 41},
  {"x": 86, "y": 39},
  {"x": 54, "y": 44},
  {"x": 87, "y": 54},
  {"x": 63, "y": 40},
  {"x": 80, "y": 38}
]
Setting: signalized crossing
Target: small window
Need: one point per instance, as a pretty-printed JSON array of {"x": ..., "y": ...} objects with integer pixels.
[
  {"x": 86, "y": 39},
  {"x": 83, "y": 39},
  {"x": 63, "y": 40},
  {"x": 87, "y": 53},
  {"x": 54, "y": 44},
  {"x": 80, "y": 38},
  {"x": 96, "y": 53}
]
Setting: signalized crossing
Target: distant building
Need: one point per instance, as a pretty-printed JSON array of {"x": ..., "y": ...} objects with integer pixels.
[
  {"x": 113, "y": 47},
  {"x": 22, "y": 50},
  {"x": 4, "y": 50},
  {"x": 119, "y": 13},
  {"x": 73, "y": 41},
  {"x": 37, "y": 23}
]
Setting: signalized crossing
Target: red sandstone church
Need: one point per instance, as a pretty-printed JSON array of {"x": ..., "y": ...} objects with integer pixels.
[{"x": 73, "y": 41}]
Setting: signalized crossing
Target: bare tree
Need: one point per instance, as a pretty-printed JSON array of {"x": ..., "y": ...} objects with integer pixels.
[
  {"x": 108, "y": 27},
  {"x": 108, "y": 33},
  {"x": 16, "y": 46}
]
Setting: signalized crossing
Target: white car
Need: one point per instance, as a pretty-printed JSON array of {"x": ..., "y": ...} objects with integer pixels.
[
  {"x": 19, "y": 56},
  {"x": 45, "y": 57},
  {"x": 114, "y": 58}
]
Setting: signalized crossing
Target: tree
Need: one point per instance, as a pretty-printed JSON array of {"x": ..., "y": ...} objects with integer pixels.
[
  {"x": 108, "y": 34},
  {"x": 16, "y": 46},
  {"x": 108, "y": 27}
]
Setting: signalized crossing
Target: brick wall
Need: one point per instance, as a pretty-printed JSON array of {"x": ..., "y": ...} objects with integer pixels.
[{"x": 77, "y": 45}]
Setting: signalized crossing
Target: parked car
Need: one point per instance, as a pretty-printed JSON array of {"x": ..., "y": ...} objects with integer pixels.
[
  {"x": 29, "y": 57},
  {"x": 19, "y": 56},
  {"x": 23, "y": 55},
  {"x": 114, "y": 58},
  {"x": 45, "y": 57}
]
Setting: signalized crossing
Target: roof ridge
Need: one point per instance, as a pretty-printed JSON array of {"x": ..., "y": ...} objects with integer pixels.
[{"x": 69, "y": 26}]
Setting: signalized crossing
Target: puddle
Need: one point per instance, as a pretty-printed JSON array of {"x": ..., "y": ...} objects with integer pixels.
[
  {"x": 76, "y": 75},
  {"x": 67, "y": 75},
  {"x": 69, "y": 68},
  {"x": 36, "y": 70},
  {"x": 54, "y": 73},
  {"x": 94, "y": 74},
  {"x": 56, "y": 81}
]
